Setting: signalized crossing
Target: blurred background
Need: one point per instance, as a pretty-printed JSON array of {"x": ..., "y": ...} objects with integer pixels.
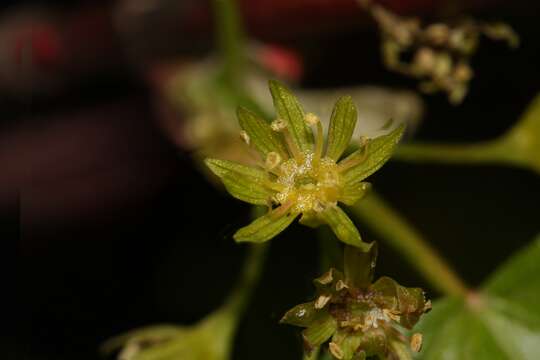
[{"x": 114, "y": 225}]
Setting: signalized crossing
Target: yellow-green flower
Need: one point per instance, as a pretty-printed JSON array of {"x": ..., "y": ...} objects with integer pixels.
[
  {"x": 359, "y": 318},
  {"x": 298, "y": 173}
]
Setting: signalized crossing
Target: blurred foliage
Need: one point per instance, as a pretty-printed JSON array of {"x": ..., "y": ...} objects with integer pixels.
[
  {"x": 501, "y": 321},
  {"x": 519, "y": 146}
]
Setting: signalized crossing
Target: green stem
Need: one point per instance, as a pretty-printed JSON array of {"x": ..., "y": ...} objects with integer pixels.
[
  {"x": 485, "y": 152},
  {"x": 230, "y": 38},
  {"x": 388, "y": 224}
]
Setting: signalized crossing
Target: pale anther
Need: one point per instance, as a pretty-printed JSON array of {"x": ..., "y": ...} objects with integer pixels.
[
  {"x": 273, "y": 159},
  {"x": 311, "y": 119},
  {"x": 245, "y": 137},
  {"x": 278, "y": 125},
  {"x": 416, "y": 342}
]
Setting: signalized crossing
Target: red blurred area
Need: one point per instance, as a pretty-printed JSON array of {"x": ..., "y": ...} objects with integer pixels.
[{"x": 84, "y": 165}]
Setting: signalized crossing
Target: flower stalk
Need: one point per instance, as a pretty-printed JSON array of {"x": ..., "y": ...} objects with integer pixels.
[
  {"x": 393, "y": 229},
  {"x": 230, "y": 38}
]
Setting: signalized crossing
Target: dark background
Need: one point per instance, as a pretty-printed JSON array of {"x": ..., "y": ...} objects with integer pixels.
[{"x": 114, "y": 228}]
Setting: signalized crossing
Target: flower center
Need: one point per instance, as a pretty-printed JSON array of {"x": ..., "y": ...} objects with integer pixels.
[{"x": 309, "y": 186}]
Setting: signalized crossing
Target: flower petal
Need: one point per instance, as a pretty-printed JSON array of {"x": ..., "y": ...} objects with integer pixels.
[
  {"x": 289, "y": 109},
  {"x": 343, "y": 227},
  {"x": 263, "y": 137},
  {"x": 322, "y": 328},
  {"x": 379, "y": 150},
  {"x": 352, "y": 192},
  {"x": 342, "y": 123},
  {"x": 264, "y": 228},
  {"x": 300, "y": 315},
  {"x": 243, "y": 182}
]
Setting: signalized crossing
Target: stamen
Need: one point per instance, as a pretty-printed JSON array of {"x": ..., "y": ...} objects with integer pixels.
[
  {"x": 273, "y": 159},
  {"x": 322, "y": 301},
  {"x": 347, "y": 164},
  {"x": 245, "y": 137},
  {"x": 274, "y": 185},
  {"x": 335, "y": 350},
  {"x": 280, "y": 125},
  {"x": 416, "y": 342},
  {"x": 283, "y": 209},
  {"x": 318, "y": 206},
  {"x": 313, "y": 120}
]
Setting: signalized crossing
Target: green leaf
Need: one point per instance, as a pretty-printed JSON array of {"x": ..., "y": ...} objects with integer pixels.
[
  {"x": 243, "y": 182},
  {"x": 502, "y": 322},
  {"x": 379, "y": 150},
  {"x": 353, "y": 192},
  {"x": 264, "y": 228},
  {"x": 519, "y": 278},
  {"x": 340, "y": 131},
  {"x": 343, "y": 227},
  {"x": 263, "y": 137},
  {"x": 289, "y": 109},
  {"x": 300, "y": 315},
  {"x": 359, "y": 266}
]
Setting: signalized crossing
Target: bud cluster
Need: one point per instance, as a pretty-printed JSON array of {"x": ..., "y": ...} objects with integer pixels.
[{"x": 440, "y": 53}]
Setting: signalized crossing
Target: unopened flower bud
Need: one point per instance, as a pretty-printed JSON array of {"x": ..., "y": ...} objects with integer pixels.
[
  {"x": 443, "y": 65},
  {"x": 424, "y": 60},
  {"x": 463, "y": 72},
  {"x": 438, "y": 34}
]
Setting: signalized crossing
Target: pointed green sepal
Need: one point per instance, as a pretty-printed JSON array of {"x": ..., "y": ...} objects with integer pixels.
[
  {"x": 242, "y": 182},
  {"x": 264, "y": 228},
  {"x": 379, "y": 150},
  {"x": 310, "y": 219},
  {"x": 260, "y": 133},
  {"x": 343, "y": 227},
  {"x": 301, "y": 315},
  {"x": 410, "y": 303},
  {"x": 374, "y": 342},
  {"x": 289, "y": 109},
  {"x": 340, "y": 131},
  {"x": 345, "y": 344},
  {"x": 322, "y": 328},
  {"x": 353, "y": 192},
  {"x": 359, "y": 266},
  {"x": 400, "y": 350}
]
